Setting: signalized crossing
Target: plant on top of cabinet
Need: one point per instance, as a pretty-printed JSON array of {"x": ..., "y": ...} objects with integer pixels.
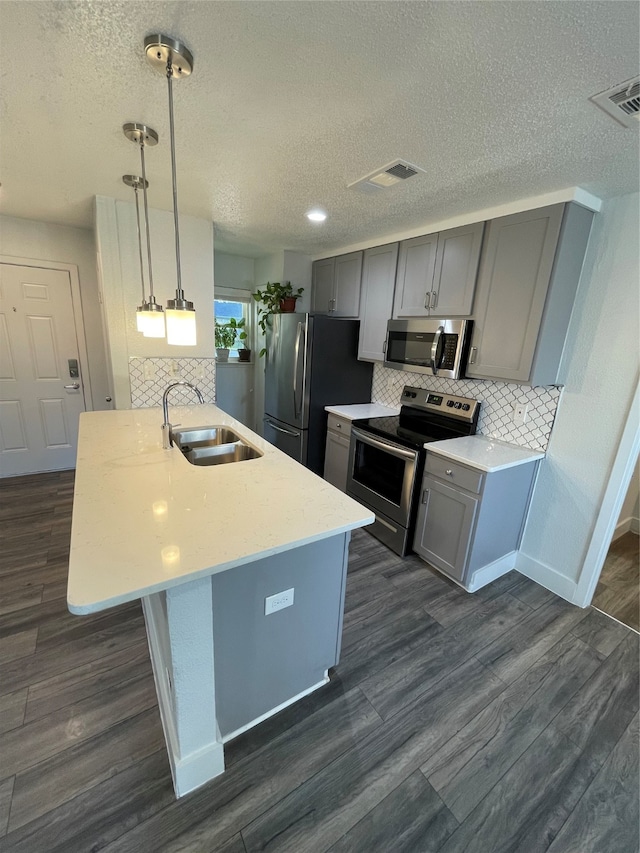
[
  {"x": 529, "y": 274},
  {"x": 275, "y": 298},
  {"x": 336, "y": 285},
  {"x": 437, "y": 273}
]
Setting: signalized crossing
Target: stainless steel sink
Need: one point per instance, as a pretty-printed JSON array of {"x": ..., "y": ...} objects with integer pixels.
[
  {"x": 213, "y": 445},
  {"x": 203, "y": 436}
]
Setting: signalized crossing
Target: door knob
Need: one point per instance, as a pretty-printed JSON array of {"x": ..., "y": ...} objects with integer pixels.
[{"x": 74, "y": 387}]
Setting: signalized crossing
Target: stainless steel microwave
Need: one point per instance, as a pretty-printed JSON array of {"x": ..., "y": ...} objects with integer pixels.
[{"x": 426, "y": 345}]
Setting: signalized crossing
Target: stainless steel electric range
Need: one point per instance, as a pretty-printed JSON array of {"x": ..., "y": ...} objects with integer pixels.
[{"x": 386, "y": 458}]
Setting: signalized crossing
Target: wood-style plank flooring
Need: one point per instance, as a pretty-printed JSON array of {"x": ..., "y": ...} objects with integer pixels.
[
  {"x": 618, "y": 590},
  {"x": 500, "y": 722}
]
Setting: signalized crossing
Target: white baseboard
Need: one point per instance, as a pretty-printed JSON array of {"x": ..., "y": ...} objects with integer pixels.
[
  {"x": 546, "y": 577},
  {"x": 627, "y": 524},
  {"x": 197, "y": 769},
  {"x": 493, "y": 571}
]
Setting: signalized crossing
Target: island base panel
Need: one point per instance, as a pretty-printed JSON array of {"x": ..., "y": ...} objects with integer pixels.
[
  {"x": 221, "y": 665},
  {"x": 265, "y": 662}
]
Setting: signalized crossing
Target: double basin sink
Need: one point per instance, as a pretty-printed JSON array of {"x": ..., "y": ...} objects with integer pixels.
[{"x": 212, "y": 445}]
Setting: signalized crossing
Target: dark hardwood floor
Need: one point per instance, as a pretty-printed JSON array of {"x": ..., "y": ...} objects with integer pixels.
[
  {"x": 501, "y": 721},
  {"x": 618, "y": 590}
]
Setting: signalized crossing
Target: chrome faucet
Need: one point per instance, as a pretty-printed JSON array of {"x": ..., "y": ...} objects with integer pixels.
[{"x": 167, "y": 441}]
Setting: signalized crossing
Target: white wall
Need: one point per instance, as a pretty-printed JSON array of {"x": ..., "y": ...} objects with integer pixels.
[
  {"x": 119, "y": 266},
  {"x": 235, "y": 381},
  {"x": 26, "y": 238},
  {"x": 601, "y": 360},
  {"x": 629, "y": 518},
  {"x": 234, "y": 271}
]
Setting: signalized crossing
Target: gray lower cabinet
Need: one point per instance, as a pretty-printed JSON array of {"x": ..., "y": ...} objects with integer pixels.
[
  {"x": 376, "y": 301},
  {"x": 469, "y": 522},
  {"x": 336, "y": 285},
  {"x": 336, "y": 459},
  {"x": 529, "y": 274}
]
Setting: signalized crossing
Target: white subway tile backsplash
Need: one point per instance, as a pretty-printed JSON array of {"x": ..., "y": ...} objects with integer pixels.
[
  {"x": 497, "y": 399},
  {"x": 150, "y": 376}
]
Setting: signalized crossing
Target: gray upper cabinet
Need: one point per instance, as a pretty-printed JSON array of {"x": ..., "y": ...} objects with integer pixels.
[
  {"x": 336, "y": 285},
  {"x": 437, "y": 273},
  {"x": 376, "y": 302},
  {"x": 414, "y": 281},
  {"x": 528, "y": 278},
  {"x": 322, "y": 293}
]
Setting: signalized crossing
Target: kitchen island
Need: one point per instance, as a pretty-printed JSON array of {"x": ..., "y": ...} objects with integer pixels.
[{"x": 209, "y": 550}]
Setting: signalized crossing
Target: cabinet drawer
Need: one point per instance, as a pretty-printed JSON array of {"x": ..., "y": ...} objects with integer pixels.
[
  {"x": 452, "y": 472},
  {"x": 338, "y": 424}
]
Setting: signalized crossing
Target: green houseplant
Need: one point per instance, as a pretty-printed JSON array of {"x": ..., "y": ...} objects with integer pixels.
[
  {"x": 226, "y": 335},
  {"x": 275, "y": 298}
]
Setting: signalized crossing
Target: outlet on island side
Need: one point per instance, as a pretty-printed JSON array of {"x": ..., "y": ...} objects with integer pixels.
[{"x": 278, "y": 601}]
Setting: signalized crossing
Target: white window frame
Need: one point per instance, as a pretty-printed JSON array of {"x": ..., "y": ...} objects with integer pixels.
[{"x": 236, "y": 294}]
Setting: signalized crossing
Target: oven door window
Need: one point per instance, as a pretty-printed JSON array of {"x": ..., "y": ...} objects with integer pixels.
[{"x": 379, "y": 471}]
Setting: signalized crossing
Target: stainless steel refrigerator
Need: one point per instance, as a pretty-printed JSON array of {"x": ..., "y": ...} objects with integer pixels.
[{"x": 311, "y": 362}]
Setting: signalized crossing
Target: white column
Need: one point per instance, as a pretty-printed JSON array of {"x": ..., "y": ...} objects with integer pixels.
[{"x": 180, "y": 633}]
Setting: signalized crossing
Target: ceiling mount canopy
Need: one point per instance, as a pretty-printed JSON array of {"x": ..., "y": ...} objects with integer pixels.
[
  {"x": 149, "y": 315},
  {"x": 172, "y": 58}
]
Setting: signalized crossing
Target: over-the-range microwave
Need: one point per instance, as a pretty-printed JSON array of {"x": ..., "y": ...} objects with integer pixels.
[{"x": 426, "y": 345}]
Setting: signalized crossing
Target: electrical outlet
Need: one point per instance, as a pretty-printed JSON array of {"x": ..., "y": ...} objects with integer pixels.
[
  {"x": 200, "y": 371},
  {"x": 520, "y": 413},
  {"x": 174, "y": 368},
  {"x": 149, "y": 371},
  {"x": 278, "y": 601}
]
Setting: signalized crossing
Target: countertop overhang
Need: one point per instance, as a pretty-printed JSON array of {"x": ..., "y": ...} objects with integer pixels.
[{"x": 145, "y": 519}]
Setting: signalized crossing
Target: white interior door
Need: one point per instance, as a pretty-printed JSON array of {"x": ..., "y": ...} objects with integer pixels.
[{"x": 40, "y": 397}]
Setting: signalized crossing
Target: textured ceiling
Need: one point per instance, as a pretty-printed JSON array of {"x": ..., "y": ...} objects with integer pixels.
[{"x": 291, "y": 101}]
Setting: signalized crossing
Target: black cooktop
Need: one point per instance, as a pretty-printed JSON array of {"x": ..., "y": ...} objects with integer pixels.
[{"x": 425, "y": 416}]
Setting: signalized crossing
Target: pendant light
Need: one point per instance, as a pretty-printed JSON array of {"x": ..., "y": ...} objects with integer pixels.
[
  {"x": 149, "y": 316},
  {"x": 173, "y": 58},
  {"x": 136, "y": 182}
]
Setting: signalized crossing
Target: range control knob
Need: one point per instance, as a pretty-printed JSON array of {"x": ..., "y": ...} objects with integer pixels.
[
  {"x": 457, "y": 405},
  {"x": 465, "y": 407},
  {"x": 450, "y": 403}
]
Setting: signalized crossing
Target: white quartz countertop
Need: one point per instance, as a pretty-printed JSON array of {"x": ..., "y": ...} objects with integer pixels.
[
  {"x": 486, "y": 454},
  {"x": 146, "y": 519},
  {"x": 362, "y": 410}
]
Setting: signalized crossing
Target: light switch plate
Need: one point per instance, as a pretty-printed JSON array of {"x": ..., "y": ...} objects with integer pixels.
[{"x": 278, "y": 601}]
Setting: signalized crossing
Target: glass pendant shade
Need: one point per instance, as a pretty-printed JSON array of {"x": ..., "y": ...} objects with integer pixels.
[
  {"x": 152, "y": 324},
  {"x": 181, "y": 327}
]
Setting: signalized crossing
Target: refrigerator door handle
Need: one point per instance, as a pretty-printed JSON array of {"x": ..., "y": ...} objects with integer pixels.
[
  {"x": 281, "y": 429},
  {"x": 296, "y": 365}
]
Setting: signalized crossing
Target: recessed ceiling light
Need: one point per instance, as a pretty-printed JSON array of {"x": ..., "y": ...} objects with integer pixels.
[{"x": 316, "y": 215}]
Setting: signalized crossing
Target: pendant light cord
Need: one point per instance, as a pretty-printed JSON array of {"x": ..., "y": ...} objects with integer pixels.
[
  {"x": 146, "y": 220},
  {"x": 135, "y": 189},
  {"x": 179, "y": 292}
]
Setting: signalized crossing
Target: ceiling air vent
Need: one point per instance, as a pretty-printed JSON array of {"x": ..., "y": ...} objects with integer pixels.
[
  {"x": 387, "y": 176},
  {"x": 622, "y": 102}
]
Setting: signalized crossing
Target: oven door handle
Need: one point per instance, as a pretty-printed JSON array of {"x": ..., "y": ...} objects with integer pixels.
[
  {"x": 392, "y": 449},
  {"x": 435, "y": 346}
]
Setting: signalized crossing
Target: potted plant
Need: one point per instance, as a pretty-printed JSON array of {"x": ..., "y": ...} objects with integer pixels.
[
  {"x": 275, "y": 298},
  {"x": 238, "y": 326},
  {"x": 225, "y": 337}
]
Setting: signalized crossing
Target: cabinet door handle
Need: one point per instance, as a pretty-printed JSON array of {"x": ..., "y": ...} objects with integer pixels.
[
  {"x": 434, "y": 299},
  {"x": 427, "y": 298},
  {"x": 425, "y": 496},
  {"x": 338, "y": 426},
  {"x": 473, "y": 355},
  {"x": 449, "y": 472}
]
